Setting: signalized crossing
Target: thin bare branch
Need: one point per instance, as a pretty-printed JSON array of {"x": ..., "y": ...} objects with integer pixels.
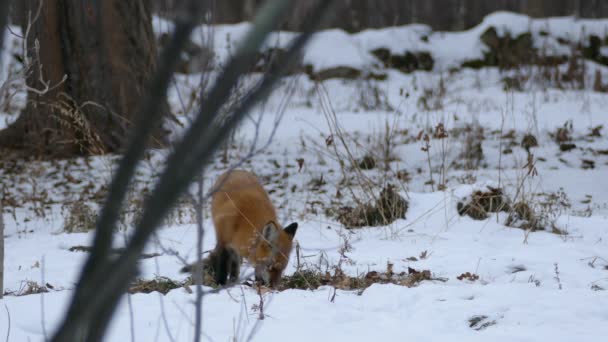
[
  {"x": 8, "y": 323},
  {"x": 200, "y": 233},
  {"x": 42, "y": 310},
  {"x": 131, "y": 317},
  {"x": 163, "y": 313},
  {"x": 148, "y": 118},
  {"x": 104, "y": 281}
]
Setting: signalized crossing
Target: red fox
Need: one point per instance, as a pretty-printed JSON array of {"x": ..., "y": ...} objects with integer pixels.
[{"x": 246, "y": 226}]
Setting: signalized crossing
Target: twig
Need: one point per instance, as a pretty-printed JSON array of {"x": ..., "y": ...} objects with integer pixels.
[
  {"x": 559, "y": 282},
  {"x": 198, "y": 306},
  {"x": 103, "y": 284},
  {"x": 242, "y": 312},
  {"x": 162, "y": 307},
  {"x": 131, "y": 318},
  {"x": 8, "y": 329},
  {"x": 42, "y": 311},
  {"x": 256, "y": 326},
  {"x": 261, "y": 304},
  {"x": 148, "y": 117}
]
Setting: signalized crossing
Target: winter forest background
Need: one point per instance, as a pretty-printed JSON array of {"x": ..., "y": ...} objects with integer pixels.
[{"x": 445, "y": 160}]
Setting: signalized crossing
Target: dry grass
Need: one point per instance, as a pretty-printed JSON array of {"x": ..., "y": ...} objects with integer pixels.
[
  {"x": 540, "y": 212},
  {"x": 481, "y": 203},
  {"x": 468, "y": 276},
  {"x": 80, "y": 218},
  {"x": 159, "y": 284},
  {"x": 313, "y": 279},
  {"x": 471, "y": 156},
  {"x": 389, "y": 207},
  {"x": 29, "y": 287}
]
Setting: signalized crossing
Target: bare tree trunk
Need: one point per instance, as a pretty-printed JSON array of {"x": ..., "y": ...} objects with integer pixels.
[{"x": 105, "y": 50}]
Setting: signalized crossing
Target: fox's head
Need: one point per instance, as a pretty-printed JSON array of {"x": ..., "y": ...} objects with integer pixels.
[{"x": 272, "y": 252}]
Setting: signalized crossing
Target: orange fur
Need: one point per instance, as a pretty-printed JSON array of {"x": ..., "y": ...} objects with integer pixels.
[{"x": 246, "y": 225}]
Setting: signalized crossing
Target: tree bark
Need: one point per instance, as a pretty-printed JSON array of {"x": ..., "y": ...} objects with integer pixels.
[{"x": 105, "y": 50}]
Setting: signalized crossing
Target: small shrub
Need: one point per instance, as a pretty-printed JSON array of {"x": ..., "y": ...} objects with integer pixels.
[
  {"x": 415, "y": 277},
  {"x": 563, "y": 134},
  {"x": 184, "y": 212},
  {"x": 312, "y": 279},
  {"x": 32, "y": 287},
  {"x": 389, "y": 207},
  {"x": 371, "y": 97},
  {"x": 342, "y": 72},
  {"x": 317, "y": 183},
  {"x": 303, "y": 280},
  {"x": 588, "y": 164},
  {"x": 472, "y": 151},
  {"x": 475, "y": 64},
  {"x": 596, "y": 131},
  {"x": 81, "y": 218},
  {"x": 566, "y": 147},
  {"x": 529, "y": 141},
  {"x": 483, "y": 202},
  {"x": 408, "y": 62},
  {"x": 522, "y": 216},
  {"x": 468, "y": 276},
  {"x": 404, "y": 176},
  {"x": 515, "y": 83},
  {"x": 267, "y": 61},
  {"x": 432, "y": 98},
  {"x": 368, "y": 162},
  {"x": 159, "y": 284},
  {"x": 541, "y": 214},
  {"x": 598, "y": 85},
  {"x": 522, "y": 209},
  {"x": 359, "y": 216}
]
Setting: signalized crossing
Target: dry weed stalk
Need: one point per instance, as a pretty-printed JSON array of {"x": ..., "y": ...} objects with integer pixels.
[{"x": 371, "y": 209}]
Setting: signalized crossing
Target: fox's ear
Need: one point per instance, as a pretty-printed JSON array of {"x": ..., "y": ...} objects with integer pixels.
[
  {"x": 270, "y": 232},
  {"x": 291, "y": 229}
]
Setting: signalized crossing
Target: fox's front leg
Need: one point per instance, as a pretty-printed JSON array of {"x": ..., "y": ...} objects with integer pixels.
[{"x": 227, "y": 263}]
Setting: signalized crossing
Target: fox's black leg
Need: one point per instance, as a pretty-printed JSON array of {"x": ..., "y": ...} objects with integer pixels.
[
  {"x": 235, "y": 265},
  {"x": 221, "y": 265}
]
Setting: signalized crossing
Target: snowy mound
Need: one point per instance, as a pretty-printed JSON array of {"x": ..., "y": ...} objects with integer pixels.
[{"x": 335, "y": 48}]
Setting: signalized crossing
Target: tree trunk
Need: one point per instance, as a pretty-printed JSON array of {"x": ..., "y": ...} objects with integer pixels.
[{"x": 106, "y": 51}]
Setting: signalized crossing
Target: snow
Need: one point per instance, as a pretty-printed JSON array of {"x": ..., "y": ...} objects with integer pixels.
[
  {"x": 449, "y": 49},
  {"x": 394, "y": 38},
  {"x": 432, "y": 311},
  {"x": 335, "y": 48},
  {"x": 531, "y": 286},
  {"x": 162, "y": 25}
]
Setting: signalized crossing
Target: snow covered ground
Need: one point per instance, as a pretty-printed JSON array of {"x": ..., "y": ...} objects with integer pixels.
[
  {"x": 530, "y": 286},
  {"x": 449, "y": 49}
]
